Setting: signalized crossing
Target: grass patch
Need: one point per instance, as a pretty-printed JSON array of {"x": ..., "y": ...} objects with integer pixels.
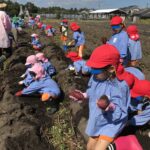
[
  {"x": 144, "y": 21},
  {"x": 62, "y": 134}
]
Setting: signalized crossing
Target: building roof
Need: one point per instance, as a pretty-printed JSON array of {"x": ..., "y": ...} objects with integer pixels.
[
  {"x": 143, "y": 13},
  {"x": 106, "y": 11},
  {"x": 129, "y": 7},
  {"x": 102, "y": 11}
]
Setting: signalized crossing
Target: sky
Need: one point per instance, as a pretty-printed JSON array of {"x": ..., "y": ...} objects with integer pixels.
[{"x": 96, "y": 4}]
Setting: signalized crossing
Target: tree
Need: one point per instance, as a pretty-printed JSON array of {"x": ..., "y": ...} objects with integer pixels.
[{"x": 31, "y": 7}]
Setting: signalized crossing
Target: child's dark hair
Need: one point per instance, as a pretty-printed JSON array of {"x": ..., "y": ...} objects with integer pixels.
[
  {"x": 79, "y": 30},
  {"x": 104, "y": 40}
]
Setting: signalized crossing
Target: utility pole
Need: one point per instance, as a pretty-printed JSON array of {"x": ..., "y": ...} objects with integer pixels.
[
  {"x": 99, "y": 4},
  {"x": 147, "y": 5}
]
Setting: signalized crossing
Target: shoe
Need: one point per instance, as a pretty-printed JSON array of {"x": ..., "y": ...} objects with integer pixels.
[{"x": 51, "y": 110}]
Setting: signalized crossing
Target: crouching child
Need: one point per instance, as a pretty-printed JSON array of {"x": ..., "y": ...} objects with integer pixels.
[{"x": 43, "y": 85}]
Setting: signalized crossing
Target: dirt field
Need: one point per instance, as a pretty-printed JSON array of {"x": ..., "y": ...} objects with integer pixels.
[{"x": 23, "y": 121}]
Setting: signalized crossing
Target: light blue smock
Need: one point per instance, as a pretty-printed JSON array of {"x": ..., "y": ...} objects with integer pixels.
[
  {"x": 112, "y": 122},
  {"x": 79, "y": 38},
  {"x": 136, "y": 72},
  {"x": 120, "y": 41},
  {"x": 134, "y": 49},
  {"x": 43, "y": 85}
]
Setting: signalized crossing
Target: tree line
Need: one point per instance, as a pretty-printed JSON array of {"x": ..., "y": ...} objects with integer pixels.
[{"x": 13, "y": 8}]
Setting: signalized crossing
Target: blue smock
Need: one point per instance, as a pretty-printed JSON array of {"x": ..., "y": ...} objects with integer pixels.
[
  {"x": 36, "y": 42},
  {"x": 79, "y": 38},
  {"x": 120, "y": 41},
  {"x": 28, "y": 79},
  {"x": 80, "y": 65},
  {"x": 142, "y": 118},
  {"x": 134, "y": 50},
  {"x": 136, "y": 72},
  {"x": 15, "y": 25},
  {"x": 49, "y": 68},
  {"x": 108, "y": 123},
  {"x": 21, "y": 22},
  {"x": 43, "y": 85},
  {"x": 43, "y": 26},
  {"x": 49, "y": 32},
  {"x": 31, "y": 22}
]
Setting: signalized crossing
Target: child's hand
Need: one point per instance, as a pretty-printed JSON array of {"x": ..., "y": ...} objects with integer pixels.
[
  {"x": 103, "y": 102},
  {"x": 19, "y": 93},
  {"x": 111, "y": 107},
  {"x": 20, "y": 82}
]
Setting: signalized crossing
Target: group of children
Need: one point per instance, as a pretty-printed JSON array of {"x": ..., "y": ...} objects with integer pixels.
[
  {"x": 38, "y": 79},
  {"x": 116, "y": 89}
]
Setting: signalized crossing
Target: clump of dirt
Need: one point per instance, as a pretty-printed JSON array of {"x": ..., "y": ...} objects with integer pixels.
[{"x": 20, "y": 122}]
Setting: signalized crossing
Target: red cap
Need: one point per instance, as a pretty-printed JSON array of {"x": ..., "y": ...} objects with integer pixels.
[
  {"x": 116, "y": 20},
  {"x": 126, "y": 76},
  {"x": 103, "y": 56},
  {"x": 73, "y": 56},
  {"x": 65, "y": 20},
  {"x": 74, "y": 26},
  {"x": 73, "y": 23},
  {"x": 141, "y": 88},
  {"x": 48, "y": 27},
  {"x": 132, "y": 31}
]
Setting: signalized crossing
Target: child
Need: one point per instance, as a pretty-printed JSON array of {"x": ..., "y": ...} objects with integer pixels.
[
  {"x": 41, "y": 26},
  {"x": 134, "y": 46},
  {"x": 105, "y": 124},
  {"x": 64, "y": 31},
  {"x": 31, "y": 22},
  {"x": 41, "y": 84},
  {"x": 49, "y": 68},
  {"x": 140, "y": 101},
  {"x": 78, "y": 38},
  {"x": 50, "y": 31},
  {"x": 119, "y": 38},
  {"x": 35, "y": 42},
  {"x": 136, "y": 72},
  {"x": 30, "y": 61},
  {"x": 78, "y": 63},
  {"x": 37, "y": 18},
  {"x": 15, "y": 23}
]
